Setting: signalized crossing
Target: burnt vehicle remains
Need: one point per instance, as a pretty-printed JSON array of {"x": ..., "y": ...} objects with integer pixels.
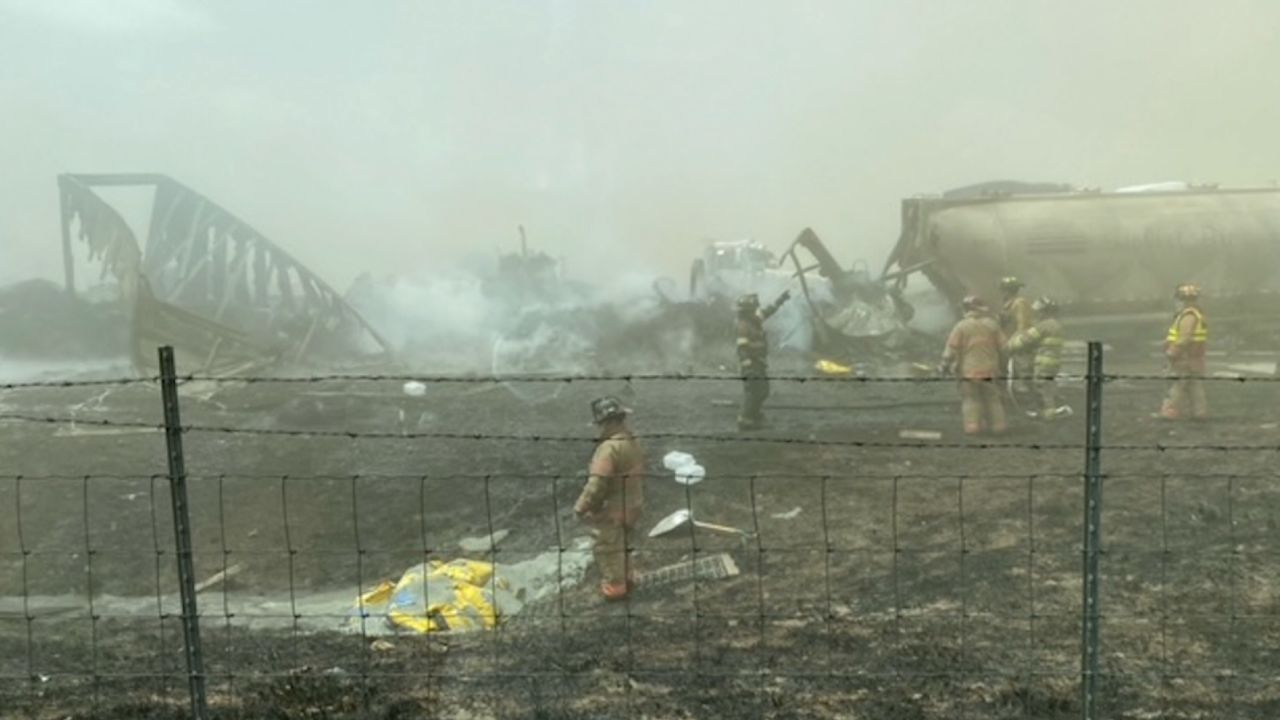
[
  {"x": 228, "y": 299},
  {"x": 843, "y": 312}
]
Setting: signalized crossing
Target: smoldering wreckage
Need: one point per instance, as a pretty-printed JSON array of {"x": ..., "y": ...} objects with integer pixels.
[
  {"x": 232, "y": 302},
  {"x": 236, "y": 305}
]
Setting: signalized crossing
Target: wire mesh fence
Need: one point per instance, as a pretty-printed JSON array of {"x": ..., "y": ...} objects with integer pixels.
[{"x": 855, "y": 570}]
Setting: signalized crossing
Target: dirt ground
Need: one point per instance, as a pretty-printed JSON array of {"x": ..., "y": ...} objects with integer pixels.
[{"x": 918, "y": 578}]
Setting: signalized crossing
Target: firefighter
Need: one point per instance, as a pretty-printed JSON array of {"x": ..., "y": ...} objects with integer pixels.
[
  {"x": 1043, "y": 340},
  {"x": 1016, "y": 317},
  {"x": 753, "y": 357},
  {"x": 973, "y": 355},
  {"x": 613, "y": 497},
  {"x": 1184, "y": 347}
]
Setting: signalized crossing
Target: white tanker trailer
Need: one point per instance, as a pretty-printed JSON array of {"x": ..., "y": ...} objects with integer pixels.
[{"x": 1110, "y": 258}]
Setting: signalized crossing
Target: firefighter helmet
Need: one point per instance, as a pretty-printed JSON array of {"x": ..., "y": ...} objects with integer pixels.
[
  {"x": 748, "y": 302},
  {"x": 607, "y": 408},
  {"x": 1010, "y": 283},
  {"x": 973, "y": 302},
  {"x": 1045, "y": 305},
  {"x": 1188, "y": 291}
]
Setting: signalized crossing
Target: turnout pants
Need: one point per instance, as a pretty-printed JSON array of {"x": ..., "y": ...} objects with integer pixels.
[
  {"x": 982, "y": 406},
  {"x": 1023, "y": 365},
  {"x": 755, "y": 390},
  {"x": 610, "y": 550},
  {"x": 1186, "y": 398},
  {"x": 1047, "y": 389}
]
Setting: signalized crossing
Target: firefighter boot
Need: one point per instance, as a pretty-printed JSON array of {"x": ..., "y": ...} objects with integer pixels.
[{"x": 614, "y": 591}]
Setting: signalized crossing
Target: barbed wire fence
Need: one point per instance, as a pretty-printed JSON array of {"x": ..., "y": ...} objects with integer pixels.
[{"x": 903, "y": 598}]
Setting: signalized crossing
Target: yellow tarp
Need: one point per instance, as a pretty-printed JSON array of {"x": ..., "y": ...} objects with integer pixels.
[{"x": 436, "y": 596}]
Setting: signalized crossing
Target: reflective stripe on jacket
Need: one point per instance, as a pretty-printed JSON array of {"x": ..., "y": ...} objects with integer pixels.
[
  {"x": 1199, "y": 335},
  {"x": 1044, "y": 339}
]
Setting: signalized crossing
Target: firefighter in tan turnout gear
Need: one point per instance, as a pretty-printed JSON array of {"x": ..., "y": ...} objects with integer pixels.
[
  {"x": 973, "y": 354},
  {"x": 1043, "y": 340},
  {"x": 1185, "y": 346},
  {"x": 613, "y": 497},
  {"x": 753, "y": 357},
  {"x": 1016, "y": 317}
]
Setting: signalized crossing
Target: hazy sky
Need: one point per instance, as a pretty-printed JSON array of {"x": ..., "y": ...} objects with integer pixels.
[{"x": 395, "y": 136}]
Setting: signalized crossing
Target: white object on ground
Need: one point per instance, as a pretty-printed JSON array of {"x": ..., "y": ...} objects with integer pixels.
[
  {"x": 788, "y": 515},
  {"x": 219, "y": 577},
  {"x": 676, "y": 459},
  {"x": 920, "y": 434},
  {"x": 686, "y": 468},
  {"x": 1167, "y": 186},
  {"x": 682, "y": 517},
  {"x": 483, "y": 543},
  {"x": 690, "y": 474},
  {"x": 413, "y": 388}
]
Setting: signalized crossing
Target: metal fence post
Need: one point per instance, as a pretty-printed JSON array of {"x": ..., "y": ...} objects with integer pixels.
[
  {"x": 182, "y": 534},
  {"x": 1089, "y": 664}
]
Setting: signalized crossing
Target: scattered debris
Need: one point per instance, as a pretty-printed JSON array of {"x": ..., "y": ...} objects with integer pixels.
[
  {"x": 461, "y": 595},
  {"x": 381, "y": 645},
  {"x": 844, "y": 311},
  {"x": 690, "y": 474},
  {"x": 686, "y": 469},
  {"x": 219, "y": 577},
  {"x": 1254, "y": 368},
  {"x": 467, "y": 595},
  {"x": 483, "y": 543},
  {"x": 71, "y": 429},
  {"x": 228, "y": 299},
  {"x": 714, "y": 567},
  {"x": 676, "y": 459},
  {"x": 791, "y": 514},
  {"x": 683, "y": 517},
  {"x": 920, "y": 434},
  {"x": 831, "y": 367}
]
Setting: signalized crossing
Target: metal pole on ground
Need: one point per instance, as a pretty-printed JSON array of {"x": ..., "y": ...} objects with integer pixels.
[
  {"x": 1089, "y": 664},
  {"x": 182, "y": 534}
]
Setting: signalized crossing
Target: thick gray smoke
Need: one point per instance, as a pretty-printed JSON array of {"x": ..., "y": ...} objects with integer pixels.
[{"x": 407, "y": 132}]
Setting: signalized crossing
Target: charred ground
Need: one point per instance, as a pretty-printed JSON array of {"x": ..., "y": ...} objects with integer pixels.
[{"x": 915, "y": 582}]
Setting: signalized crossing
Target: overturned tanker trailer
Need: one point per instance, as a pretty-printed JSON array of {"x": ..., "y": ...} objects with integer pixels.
[
  {"x": 1112, "y": 259},
  {"x": 229, "y": 300}
]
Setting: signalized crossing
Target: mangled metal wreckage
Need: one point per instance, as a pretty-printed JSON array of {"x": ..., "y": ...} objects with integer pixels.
[
  {"x": 228, "y": 299},
  {"x": 840, "y": 311}
]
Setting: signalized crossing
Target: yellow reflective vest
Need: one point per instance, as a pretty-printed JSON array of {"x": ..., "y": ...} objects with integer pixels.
[{"x": 1199, "y": 335}]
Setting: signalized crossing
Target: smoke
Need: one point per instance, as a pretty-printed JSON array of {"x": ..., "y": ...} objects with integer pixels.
[
  {"x": 509, "y": 324},
  {"x": 619, "y": 133},
  {"x": 422, "y": 312}
]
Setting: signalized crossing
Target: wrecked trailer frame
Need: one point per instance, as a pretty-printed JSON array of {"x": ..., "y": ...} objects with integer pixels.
[
  {"x": 848, "y": 312},
  {"x": 228, "y": 299},
  {"x": 864, "y": 308}
]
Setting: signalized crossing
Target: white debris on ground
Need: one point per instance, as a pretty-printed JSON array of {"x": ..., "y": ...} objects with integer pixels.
[
  {"x": 685, "y": 468},
  {"x": 483, "y": 543}
]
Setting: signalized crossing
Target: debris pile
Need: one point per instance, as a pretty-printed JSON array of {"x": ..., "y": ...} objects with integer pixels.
[{"x": 227, "y": 298}]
